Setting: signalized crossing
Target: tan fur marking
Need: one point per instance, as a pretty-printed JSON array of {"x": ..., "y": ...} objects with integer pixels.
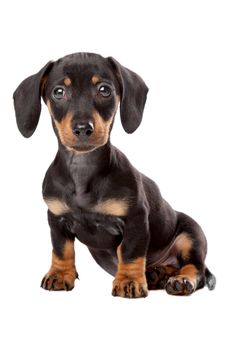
[
  {"x": 68, "y": 257},
  {"x": 102, "y": 127},
  {"x": 67, "y": 81},
  {"x": 98, "y": 138},
  {"x": 65, "y": 130},
  {"x": 119, "y": 254},
  {"x": 62, "y": 273},
  {"x": 130, "y": 280},
  {"x": 132, "y": 270},
  {"x": 117, "y": 207},
  {"x": 56, "y": 206},
  {"x": 184, "y": 244},
  {"x": 190, "y": 272},
  {"x": 184, "y": 282},
  {"x": 95, "y": 79}
]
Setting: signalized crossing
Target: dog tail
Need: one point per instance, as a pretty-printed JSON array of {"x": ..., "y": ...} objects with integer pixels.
[{"x": 210, "y": 279}]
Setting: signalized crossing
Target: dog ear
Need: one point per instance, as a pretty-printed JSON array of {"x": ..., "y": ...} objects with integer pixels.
[
  {"x": 133, "y": 96},
  {"x": 27, "y": 101}
]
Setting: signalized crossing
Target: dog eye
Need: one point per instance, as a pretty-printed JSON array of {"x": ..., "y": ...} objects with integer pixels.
[
  {"x": 104, "y": 91},
  {"x": 59, "y": 92}
]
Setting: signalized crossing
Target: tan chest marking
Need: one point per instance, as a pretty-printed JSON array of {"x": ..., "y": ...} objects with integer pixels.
[
  {"x": 117, "y": 207},
  {"x": 56, "y": 206}
]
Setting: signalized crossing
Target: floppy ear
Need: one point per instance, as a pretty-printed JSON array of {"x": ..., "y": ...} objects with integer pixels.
[
  {"x": 27, "y": 101},
  {"x": 133, "y": 96}
]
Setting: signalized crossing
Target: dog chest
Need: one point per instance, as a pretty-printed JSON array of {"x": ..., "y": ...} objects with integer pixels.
[
  {"x": 101, "y": 227},
  {"x": 96, "y": 230}
]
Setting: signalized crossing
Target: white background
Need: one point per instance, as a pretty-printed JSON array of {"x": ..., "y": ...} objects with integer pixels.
[{"x": 183, "y": 50}]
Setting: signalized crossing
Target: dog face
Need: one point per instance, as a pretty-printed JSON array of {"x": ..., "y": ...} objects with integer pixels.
[
  {"x": 82, "y": 95},
  {"x": 82, "y": 92}
]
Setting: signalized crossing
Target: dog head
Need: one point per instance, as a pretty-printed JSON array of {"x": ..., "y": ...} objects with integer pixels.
[{"x": 82, "y": 92}]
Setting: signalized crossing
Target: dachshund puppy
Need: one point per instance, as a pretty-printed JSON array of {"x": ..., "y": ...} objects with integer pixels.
[{"x": 95, "y": 194}]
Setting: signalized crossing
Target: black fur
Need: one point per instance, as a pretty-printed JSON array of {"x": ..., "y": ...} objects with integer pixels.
[
  {"x": 133, "y": 96},
  {"x": 102, "y": 172},
  {"x": 28, "y": 111}
]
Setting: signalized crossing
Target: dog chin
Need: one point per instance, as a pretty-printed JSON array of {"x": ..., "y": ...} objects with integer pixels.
[{"x": 82, "y": 148}]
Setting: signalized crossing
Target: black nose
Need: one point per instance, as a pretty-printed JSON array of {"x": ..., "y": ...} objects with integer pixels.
[{"x": 83, "y": 129}]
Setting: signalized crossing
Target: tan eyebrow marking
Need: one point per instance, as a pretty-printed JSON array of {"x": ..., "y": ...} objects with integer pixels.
[
  {"x": 95, "y": 79},
  {"x": 67, "y": 81}
]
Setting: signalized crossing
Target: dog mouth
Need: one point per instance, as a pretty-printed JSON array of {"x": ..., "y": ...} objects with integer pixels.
[{"x": 83, "y": 148}]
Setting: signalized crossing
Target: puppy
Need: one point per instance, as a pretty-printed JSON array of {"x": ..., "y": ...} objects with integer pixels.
[{"x": 95, "y": 194}]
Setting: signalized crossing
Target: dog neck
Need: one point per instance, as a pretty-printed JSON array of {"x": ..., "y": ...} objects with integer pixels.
[{"x": 85, "y": 166}]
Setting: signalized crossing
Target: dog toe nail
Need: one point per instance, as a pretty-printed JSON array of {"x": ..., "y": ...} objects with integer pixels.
[{"x": 178, "y": 286}]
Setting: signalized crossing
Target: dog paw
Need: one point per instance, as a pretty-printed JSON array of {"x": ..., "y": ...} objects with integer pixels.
[
  {"x": 156, "y": 278},
  {"x": 180, "y": 285},
  {"x": 59, "y": 280},
  {"x": 129, "y": 289}
]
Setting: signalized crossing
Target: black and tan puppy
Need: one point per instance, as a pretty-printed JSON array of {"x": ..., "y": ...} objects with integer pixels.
[{"x": 95, "y": 194}]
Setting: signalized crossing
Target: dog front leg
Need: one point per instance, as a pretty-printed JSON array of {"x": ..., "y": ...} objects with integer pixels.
[
  {"x": 62, "y": 273},
  {"x": 130, "y": 280}
]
